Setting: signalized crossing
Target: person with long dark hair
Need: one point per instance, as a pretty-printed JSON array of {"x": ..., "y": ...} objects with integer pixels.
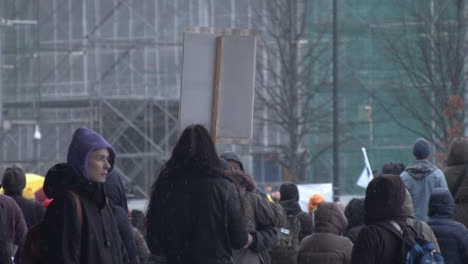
[{"x": 194, "y": 211}]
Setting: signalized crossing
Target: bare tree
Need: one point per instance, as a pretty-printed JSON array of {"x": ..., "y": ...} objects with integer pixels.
[
  {"x": 294, "y": 66},
  {"x": 428, "y": 49}
]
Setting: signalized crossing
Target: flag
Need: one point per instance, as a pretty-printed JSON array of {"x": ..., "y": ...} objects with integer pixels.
[{"x": 366, "y": 174}]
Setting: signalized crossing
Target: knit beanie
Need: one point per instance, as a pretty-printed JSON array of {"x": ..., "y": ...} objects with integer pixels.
[
  {"x": 314, "y": 202},
  {"x": 14, "y": 180},
  {"x": 421, "y": 149},
  {"x": 289, "y": 191}
]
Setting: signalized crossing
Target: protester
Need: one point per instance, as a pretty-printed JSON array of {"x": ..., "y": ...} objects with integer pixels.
[
  {"x": 421, "y": 178},
  {"x": 5, "y": 254},
  {"x": 314, "y": 202},
  {"x": 289, "y": 200},
  {"x": 90, "y": 235},
  {"x": 261, "y": 215},
  {"x": 16, "y": 228},
  {"x": 116, "y": 193},
  {"x": 194, "y": 213},
  {"x": 452, "y": 235},
  {"x": 354, "y": 213},
  {"x": 383, "y": 203},
  {"x": 13, "y": 182},
  {"x": 297, "y": 226},
  {"x": 456, "y": 173},
  {"x": 326, "y": 244},
  {"x": 421, "y": 227},
  {"x": 393, "y": 168}
]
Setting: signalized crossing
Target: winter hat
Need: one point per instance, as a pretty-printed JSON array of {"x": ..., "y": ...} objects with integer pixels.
[
  {"x": 393, "y": 168},
  {"x": 421, "y": 149},
  {"x": 384, "y": 200},
  {"x": 85, "y": 141},
  {"x": 354, "y": 212},
  {"x": 232, "y": 156},
  {"x": 314, "y": 202},
  {"x": 289, "y": 191},
  {"x": 14, "y": 180}
]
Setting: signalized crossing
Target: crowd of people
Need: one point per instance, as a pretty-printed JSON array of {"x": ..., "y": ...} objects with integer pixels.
[{"x": 205, "y": 208}]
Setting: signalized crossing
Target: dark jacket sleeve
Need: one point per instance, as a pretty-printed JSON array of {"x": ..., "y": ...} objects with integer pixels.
[
  {"x": 236, "y": 225},
  {"x": 21, "y": 230},
  {"x": 126, "y": 233},
  {"x": 5, "y": 255},
  {"x": 61, "y": 231},
  {"x": 263, "y": 239},
  {"x": 306, "y": 225},
  {"x": 364, "y": 251}
]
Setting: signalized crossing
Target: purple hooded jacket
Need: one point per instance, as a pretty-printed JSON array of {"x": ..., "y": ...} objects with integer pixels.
[{"x": 85, "y": 141}]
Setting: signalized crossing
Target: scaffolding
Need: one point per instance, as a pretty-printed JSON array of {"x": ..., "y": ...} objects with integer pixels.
[{"x": 110, "y": 65}]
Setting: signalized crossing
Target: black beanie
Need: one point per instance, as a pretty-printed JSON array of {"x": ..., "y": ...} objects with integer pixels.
[
  {"x": 289, "y": 191},
  {"x": 421, "y": 149},
  {"x": 14, "y": 180}
]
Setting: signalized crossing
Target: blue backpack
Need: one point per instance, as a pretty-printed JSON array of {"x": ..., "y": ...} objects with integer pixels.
[{"x": 415, "y": 249}]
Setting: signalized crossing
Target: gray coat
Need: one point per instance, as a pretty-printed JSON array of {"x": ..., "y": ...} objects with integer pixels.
[{"x": 420, "y": 179}]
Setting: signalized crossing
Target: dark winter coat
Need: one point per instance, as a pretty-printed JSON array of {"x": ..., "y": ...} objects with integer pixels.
[
  {"x": 385, "y": 196},
  {"x": 452, "y": 235},
  {"x": 326, "y": 244},
  {"x": 354, "y": 213},
  {"x": 261, "y": 215},
  {"x": 292, "y": 207},
  {"x": 5, "y": 254},
  {"x": 195, "y": 218},
  {"x": 97, "y": 240},
  {"x": 115, "y": 191},
  {"x": 33, "y": 211},
  {"x": 14, "y": 221},
  {"x": 420, "y": 179},
  {"x": 457, "y": 166}
]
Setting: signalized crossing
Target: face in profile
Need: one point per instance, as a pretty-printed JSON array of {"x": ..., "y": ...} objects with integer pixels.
[
  {"x": 234, "y": 165},
  {"x": 98, "y": 165}
]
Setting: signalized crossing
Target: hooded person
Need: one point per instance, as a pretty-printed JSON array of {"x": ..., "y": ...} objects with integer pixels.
[
  {"x": 289, "y": 200},
  {"x": 421, "y": 178},
  {"x": 261, "y": 215},
  {"x": 354, "y": 213},
  {"x": 90, "y": 236},
  {"x": 115, "y": 191},
  {"x": 327, "y": 244},
  {"x": 194, "y": 211},
  {"x": 383, "y": 204},
  {"x": 456, "y": 174},
  {"x": 452, "y": 235},
  {"x": 419, "y": 226},
  {"x": 13, "y": 182}
]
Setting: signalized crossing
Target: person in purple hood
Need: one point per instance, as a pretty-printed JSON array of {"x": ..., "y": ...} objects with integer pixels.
[{"x": 92, "y": 236}]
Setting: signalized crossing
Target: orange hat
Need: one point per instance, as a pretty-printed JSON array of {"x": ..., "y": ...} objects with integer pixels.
[{"x": 314, "y": 202}]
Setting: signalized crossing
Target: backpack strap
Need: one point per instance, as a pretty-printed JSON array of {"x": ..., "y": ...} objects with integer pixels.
[
  {"x": 79, "y": 210},
  {"x": 459, "y": 182},
  {"x": 418, "y": 226}
]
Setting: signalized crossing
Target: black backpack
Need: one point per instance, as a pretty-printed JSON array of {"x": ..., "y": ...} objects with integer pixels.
[{"x": 287, "y": 245}]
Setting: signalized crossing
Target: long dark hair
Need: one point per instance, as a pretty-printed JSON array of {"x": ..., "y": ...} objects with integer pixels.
[
  {"x": 194, "y": 155},
  {"x": 194, "y": 152}
]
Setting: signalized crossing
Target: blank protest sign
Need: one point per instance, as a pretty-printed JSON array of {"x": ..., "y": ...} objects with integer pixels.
[
  {"x": 198, "y": 68},
  {"x": 217, "y": 87},
  {"x": 235, "y": 89}
]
